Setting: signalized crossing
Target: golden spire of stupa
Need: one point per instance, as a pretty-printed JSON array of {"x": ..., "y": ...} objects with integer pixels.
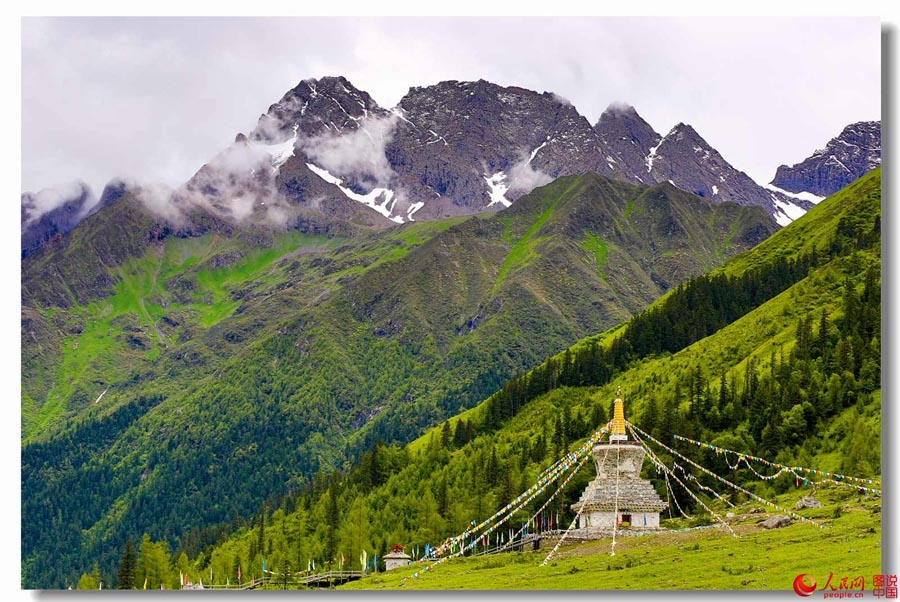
[{"x": 618, "y": 422}]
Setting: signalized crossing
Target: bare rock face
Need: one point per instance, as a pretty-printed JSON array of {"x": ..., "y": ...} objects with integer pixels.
[
  {"x": 855, "y": 151},
  {"x": 776, "y": 522},
  {"x": 471, "y": 146},
  {"x": 808, "y": 501},
  {"x": 316, "y": 106},
  {"x": 683, "y": 158},
  {"x": 627, "y": 140},
  {"x": 686, "y": 160},
  {"x": 458, "y": 148}
]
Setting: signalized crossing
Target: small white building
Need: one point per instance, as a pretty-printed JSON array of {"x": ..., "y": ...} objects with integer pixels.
[{"x": 396, "y": 558}]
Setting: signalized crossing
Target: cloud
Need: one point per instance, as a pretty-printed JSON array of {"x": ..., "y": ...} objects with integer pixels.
[
  {"x": 561, "y": 99},
  {"x": 356, "y": 154},
  {"x": 523, "y": 178},
  {"x": 154, "y": 98},
  {"x": 238, "y": 185},
  {"x": 36, "y": 204},
  {"x": 159, "y": 199},
  {"x": 619, "y": 107},
  {"x": 270, "y": 128}
]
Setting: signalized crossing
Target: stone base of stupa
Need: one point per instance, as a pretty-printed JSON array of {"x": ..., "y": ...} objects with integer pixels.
[{"x": 593, "y": 533}]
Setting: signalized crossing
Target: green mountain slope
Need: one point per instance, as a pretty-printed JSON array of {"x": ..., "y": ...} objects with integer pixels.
[
  {"x": 239, "y": 363},
  {"x": 796, "y": 379}
]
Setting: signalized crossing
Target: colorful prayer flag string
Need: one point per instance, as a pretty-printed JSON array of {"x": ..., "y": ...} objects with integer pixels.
[
  {"x": 632, "y": 428},
  {"x": 832, "y": 476},
  {"x": 802, "y": 519}
]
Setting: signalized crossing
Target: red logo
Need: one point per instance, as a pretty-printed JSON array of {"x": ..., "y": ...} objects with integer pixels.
[{"x": 800, "y": 586}]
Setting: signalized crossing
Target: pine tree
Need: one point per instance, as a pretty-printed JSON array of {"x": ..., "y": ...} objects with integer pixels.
[
  {"x": 667, "y": 419},
  {"x": 822, "y": 335},
  {"x": 772, "y": 440},
  {"x": 332, "y": 518},
  {"x": 153, "y": 565},
  {"x": 442, "y": 496},
  {"x": 90, "y": 580},
  {"x": 445, "y": 435},
  {"x": 539, "y": 450},
  {"x": 261, "y": 534},
  {"x": 459, "y": 435},
  {"x": 558, "y": 436},
  {"x": 492, "y": 471},
  {"x": 127, "y": 567},
  {"x": 598, "y": 417}
]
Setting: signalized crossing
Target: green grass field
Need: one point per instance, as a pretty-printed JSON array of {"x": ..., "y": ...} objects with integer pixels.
[{"x": 708, "y": 559}]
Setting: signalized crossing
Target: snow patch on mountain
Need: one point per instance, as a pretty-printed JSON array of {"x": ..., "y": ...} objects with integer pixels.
[
  {"x": 437, "y": 138},
  {"x": 538, "y": 149},
  {"x": 358, "y": 152},
  {"x": 385, "y": 207},
  {"x": 786, "y": 212},
  {"x": 400, "y": 113},
  {"x": 652, "y": 155},
  {"x": 802, "y": 196},
  {"x": 497, "y": 186},
  {"x": 412, "y": 209},
  {"x": 280, "y": 152}
]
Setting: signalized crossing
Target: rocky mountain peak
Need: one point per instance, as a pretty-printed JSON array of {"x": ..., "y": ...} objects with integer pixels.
[
  {"x": 684, "y": 132},
  {"x": 846, "y": 157},
  {"x": 316, "y": 106},
  {"x": 469, "y": 146},
  {"x": 463, "y": 147},
  {"x": 626, "y": 139}
]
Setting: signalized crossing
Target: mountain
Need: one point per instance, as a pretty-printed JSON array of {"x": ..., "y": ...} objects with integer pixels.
[
  {"x": 469, "y": 146},
  {"x": 453, "y": 148},
  {"x": 189, "y": 372},
  {"x": 846, "y": 157},
  {"x": 49, "y": 214},
  {"x": 789, "y": 370},
  {"x": 627, "y": 139},
  {"x": 683, "y": 158}
]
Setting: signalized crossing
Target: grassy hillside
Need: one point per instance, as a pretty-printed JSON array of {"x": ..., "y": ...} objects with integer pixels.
[
  {"x": 238, "y": 364},
  {"x": 795, "y": 379}
]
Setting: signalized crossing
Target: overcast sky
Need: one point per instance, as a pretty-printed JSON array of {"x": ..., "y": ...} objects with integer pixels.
[{"x": 152, "y": 99}]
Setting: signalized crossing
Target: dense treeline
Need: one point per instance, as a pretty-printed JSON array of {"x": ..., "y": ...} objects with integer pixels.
[
  {"x": 830, "y": 371},
  {"x": 59, "y": 525}
]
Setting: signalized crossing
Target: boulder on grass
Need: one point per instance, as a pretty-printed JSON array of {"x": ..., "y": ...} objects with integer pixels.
[
  {"x": 775, "y": 522},
  {"x": 808, "y": 501}
]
